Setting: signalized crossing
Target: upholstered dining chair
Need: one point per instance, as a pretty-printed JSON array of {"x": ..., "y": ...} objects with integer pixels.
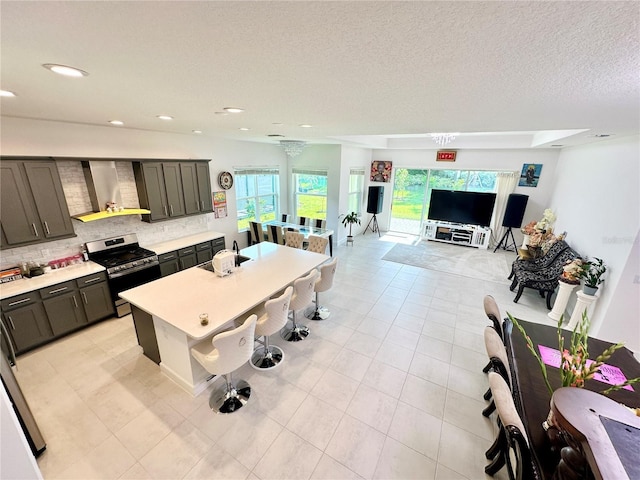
[
  {"x": 303, "y": 289},
  {"x": 275, "y": 234},
  {"x": 256, "y": 233},
  {"x": 317, "y": 244},
  {"x": 275, "y": 316},
  {"x": 498, "y": 360},
  {"x": 323, "y": 283},
  {"x": 493, "y": 313},
  {"x": 293, "y": 239},
  {"x": 303, "y": 221},
  {"x": 286, "y": 218},
  {"x": 512, "y": 443},
  {"x": 317, "y": 223},
  {"x": 231, "y": 349}
]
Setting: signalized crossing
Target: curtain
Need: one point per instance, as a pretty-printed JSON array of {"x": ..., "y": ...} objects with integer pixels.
[{"x": 505, "y": 185}]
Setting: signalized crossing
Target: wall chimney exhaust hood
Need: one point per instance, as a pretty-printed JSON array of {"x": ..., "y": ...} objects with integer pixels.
[{"x": 104, "y": 192}]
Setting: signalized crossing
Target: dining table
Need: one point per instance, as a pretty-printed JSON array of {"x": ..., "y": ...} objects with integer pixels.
[
  {"x": 306, "y": 230},
  {"x": 533, "y": 399}
]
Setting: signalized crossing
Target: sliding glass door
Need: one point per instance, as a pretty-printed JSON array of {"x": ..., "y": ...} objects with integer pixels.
[{"x": 409, "y": 200}]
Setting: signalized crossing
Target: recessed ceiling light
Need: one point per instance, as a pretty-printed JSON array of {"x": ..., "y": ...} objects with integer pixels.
[
  {"x": 198, "y": 132},
  {"x": 305, "y": 125},
  {"x": 165, "y": 117},
  {"x": 6, "y": 93},
  {"x": 233, "y": 109},
  {"x": 601, "y": 135},
  {"x": 557, "y": 145},
  {"x": 276, "y": 123},
  {"x": 244, "y": 129},
  {"x": 116, "y": 122},
  {"x": 221, "y": 113},
  {"x": 65, "y": 70},
  {"x": 275, "y": 135}
]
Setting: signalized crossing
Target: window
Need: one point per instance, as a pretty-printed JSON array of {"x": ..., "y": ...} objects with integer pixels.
[
  {"x": 356, "y": 182},
  {"x": 465, "y": 180},
  {"x": 257, "y": 193},
  {"x": 310, "y": 193}
]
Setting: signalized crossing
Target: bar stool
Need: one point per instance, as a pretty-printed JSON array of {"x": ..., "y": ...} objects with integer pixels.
[
  {"x": 323, "y": 283},
  {"x": 231, "y": 349},
  {"x": 302, "y": 296},
  {"x": 293, "y": 239},
  {"x": 272, "y": 320}
]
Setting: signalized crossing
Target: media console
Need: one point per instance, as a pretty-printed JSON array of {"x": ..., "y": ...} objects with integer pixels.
[{"x": 469, "y": 235}]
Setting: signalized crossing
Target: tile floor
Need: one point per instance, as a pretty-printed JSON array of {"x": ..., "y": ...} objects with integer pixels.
[{"x": 388, "y": 387}]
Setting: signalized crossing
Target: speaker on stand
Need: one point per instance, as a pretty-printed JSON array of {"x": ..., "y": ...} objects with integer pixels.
[
  {"x": 513, "y": 215},
  {"x": 374, "y": 205}
]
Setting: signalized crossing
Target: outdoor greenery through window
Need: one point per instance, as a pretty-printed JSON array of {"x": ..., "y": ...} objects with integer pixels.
[
  {"x": 412, "y": 192},
  {"x": 310, "y": 193},
  {"x": 257, "y": 192},
  {"x": 356, "y": 182}
]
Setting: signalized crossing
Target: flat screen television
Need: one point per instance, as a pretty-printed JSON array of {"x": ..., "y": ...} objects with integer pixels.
[{"x": 469, "y": 208}]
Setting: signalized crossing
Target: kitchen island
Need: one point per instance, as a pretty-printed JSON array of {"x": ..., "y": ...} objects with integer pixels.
[{"x": 176, "y": 302}]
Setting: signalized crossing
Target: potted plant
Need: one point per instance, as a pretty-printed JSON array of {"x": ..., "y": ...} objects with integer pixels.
[
  {"x": 592, "y": 273},
  {"x": 350, "y": 219}
]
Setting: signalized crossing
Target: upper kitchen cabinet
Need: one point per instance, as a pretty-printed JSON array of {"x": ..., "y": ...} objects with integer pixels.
[
  {"x": 171, "y": 189},
  {"x": 196, "y": 184},
  {"x": 33, "y": 208}
]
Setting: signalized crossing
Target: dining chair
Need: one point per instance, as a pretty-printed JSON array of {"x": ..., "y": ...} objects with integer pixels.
[
  {"x": 293, "y": 239},
  {"x": 493, "y": 313},
  {"x": 275, "y": 234},
  {"x": 256, "y": 232},
  {"x": 498, "y": 361},
  {"x": 231, "y": 349},
  {"x": 274, "y": 316},
  {"x": 303, "y": 289},
  {"x": 317, "y": 244},
  {"x": 511, "y": 444},
  {"x": 318, "y": 223},
  {"x": 286, "y": 218},
  {"x": 304, "y": 221}
]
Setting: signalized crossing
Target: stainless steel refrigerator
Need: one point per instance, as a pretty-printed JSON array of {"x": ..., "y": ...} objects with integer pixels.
[{"x": 20, "y": 405}]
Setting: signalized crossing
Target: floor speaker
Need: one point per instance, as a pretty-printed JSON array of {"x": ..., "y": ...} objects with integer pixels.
[
  {"x": 514, "y": 213},
  {"x": 374, "y": 201}
]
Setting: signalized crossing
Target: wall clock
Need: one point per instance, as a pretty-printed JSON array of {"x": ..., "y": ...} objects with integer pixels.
[{"x": 225, "y": 180}]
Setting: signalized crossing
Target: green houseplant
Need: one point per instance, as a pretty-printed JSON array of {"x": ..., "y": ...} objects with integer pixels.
[
  {"x": 350, "y": 219},
  {"x": 592, "y": 272}
]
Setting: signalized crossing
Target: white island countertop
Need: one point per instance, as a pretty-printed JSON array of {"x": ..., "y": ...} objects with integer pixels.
[{"x": 180, "y": 298}]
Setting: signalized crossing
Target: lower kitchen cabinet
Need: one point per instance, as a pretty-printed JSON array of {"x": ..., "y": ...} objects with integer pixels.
[
  {"x": 177, "y": 260},
  {"x": 65, "y": 313},
  {"x": 97, "y": 301},
  {"x": 187, "y": 257},
  {"x": 28, "y": 326},
  {"x": 169, "y": 263}
]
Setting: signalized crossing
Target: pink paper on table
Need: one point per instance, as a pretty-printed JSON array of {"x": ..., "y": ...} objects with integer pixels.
[{"x": 608, "y": 374}]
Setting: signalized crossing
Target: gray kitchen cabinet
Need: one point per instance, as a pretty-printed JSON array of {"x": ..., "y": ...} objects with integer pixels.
[
  {"x": 204, "y": 252},
  {"x": 187, "y": 257},
  {"x": 173, "y": 185},
  {"x": 33, "y": 207},
  {"x": 217, "y": 244},
  {"x": 204, "y": 187},
  {"x": 26, "y": 320},
  {"x": 151, "y": 190},
  {"x": 190, "y": 187},
  {"x": 169, "y": 263},
  {"x": 96, "y": 296},
  {"x": 65, "y": 312}
]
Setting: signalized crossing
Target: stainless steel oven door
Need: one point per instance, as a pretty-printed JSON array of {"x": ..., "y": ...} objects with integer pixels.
[{"x": 130, "y": 279}]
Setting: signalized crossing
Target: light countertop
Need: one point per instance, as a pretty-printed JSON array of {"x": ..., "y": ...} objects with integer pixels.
[
  {"x": 180, "y": 298},
  {"x": 24, "y": 285},
  {"x": 178, "y": 243}
]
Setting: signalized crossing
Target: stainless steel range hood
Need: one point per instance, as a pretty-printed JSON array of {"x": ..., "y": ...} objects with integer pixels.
[{"x": 104, "y": 191}]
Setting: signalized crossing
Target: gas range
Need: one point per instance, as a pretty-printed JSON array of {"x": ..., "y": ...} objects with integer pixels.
[{"x": 121, "y": 255}]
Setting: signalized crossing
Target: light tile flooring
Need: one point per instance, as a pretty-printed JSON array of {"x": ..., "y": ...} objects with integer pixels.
[{"x": 389, "y": 386}]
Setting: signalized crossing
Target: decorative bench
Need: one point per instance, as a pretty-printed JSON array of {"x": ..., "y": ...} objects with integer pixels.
[{"x": 541, "y": 273}]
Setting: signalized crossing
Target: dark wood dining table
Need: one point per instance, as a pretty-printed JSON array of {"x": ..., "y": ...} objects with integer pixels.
[{"x": 531, "y": 395}]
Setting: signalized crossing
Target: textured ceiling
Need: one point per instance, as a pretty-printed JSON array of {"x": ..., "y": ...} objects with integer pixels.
[{"x": 356, "y": 71}]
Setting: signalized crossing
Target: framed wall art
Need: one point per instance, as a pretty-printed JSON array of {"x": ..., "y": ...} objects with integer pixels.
[
  {"x": 380, "y": 171},
  {"x": 530, "y": 175}
]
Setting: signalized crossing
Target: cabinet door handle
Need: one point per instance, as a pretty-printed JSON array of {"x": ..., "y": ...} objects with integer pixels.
[
  {"x": 198, "y": 205},
  {"x": 12, "y": 324},
  {"x": 75, "y": 302},
  {"x": 46, "y": 227},
  {"x": 35, "y": 230},
  {"x": 171, "y": 209},
  {"x": 202, "y": 202},
  {"x": 186, "y": 252},
  {"x": 84, "y": 297},
  {"x": 18, "y": 302},
  {"x": 166, "y": 214},
  {"x": 91, "y": 280},
  {"x": 58, "y": 290}
]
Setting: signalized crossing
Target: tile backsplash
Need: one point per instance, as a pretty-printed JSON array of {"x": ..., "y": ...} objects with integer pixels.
[{"x": 77, "y": 195}]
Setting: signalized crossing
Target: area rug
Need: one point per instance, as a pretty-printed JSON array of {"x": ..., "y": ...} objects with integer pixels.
[{"x": 455, "y": 259}]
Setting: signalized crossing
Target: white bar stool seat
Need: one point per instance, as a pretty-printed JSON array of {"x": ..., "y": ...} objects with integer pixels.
[
  {"x": 275, "y": 316},
  {"x": 303, "y": 289},
  {"x": 323, "y": 283}
]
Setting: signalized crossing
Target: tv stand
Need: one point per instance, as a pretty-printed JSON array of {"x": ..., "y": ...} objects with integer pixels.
[{"x": 469, "y": 235}]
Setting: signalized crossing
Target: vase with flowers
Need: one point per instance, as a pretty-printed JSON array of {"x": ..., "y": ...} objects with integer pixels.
[{"x": 539, "y": 235}]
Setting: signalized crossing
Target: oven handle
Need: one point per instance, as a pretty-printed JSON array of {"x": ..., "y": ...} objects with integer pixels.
[{"x": 133, "y": 270}]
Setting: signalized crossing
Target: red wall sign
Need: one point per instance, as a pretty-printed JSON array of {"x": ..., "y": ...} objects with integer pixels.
[{"x": 446, "y": 156}]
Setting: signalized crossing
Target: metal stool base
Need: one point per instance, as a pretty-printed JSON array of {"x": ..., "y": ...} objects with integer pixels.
[
  {"x": 263, "y": 360},
  {"x": 224, "y": 401},
  {"x": 295, "y": 334}
]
